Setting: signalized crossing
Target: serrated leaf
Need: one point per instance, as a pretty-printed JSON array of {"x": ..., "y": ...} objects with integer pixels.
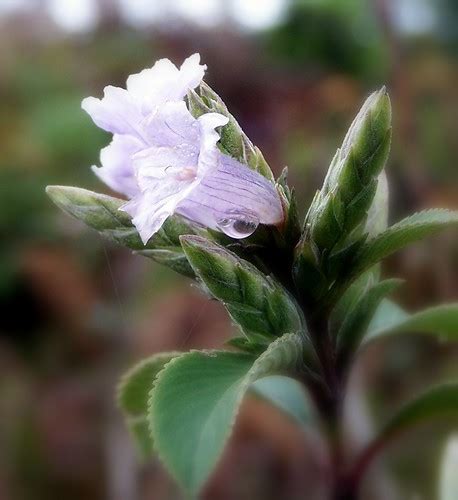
[
  {"x": 133, "y": 395},
  {"x": 286, "y": 394},
  {"x": 440, "y": 320},
  {"x": 448, "y": 480},
  {"x": 138, "y": 428},
  {"x": 102, "y": 212},
  {"x": 196, "y": 399},
  {"x": 403, "y": 233},
  {"x": 357, "y": 319},
  {"x": 257, "y": 303}
]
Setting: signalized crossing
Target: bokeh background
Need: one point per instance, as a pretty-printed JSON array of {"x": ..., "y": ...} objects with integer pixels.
[{"x": 76, "y": 311}]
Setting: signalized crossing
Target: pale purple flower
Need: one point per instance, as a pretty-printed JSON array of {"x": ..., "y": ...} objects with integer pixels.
[
  {"x": 125, "y": 113},
  {"x": 166, "y": 161}
]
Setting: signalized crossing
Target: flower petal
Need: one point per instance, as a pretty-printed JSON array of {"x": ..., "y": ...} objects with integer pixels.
[
  {"x": 191, "y": 74},
  {"x": 151, "y": 208},
  {"x": 117, "y": 170},
  {"x": 158, "y": 162},
  {"x": 116, "y": 112},
  {"x": 209, "y": 153},
  {"x": 232, "y": 192},
  {"x": 165, "y": 82},
  {"x": 172, "y": 126}
]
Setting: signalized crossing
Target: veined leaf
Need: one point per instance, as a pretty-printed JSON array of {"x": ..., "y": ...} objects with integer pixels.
[
  {"x": 133, "y": 395},
  {"x": 448, "y": 480},
  {"x": 195, "y": 401},
  {"x": 403, "y": 233},
  {"x": 357, "y": 320},
  {"x": 440, "y": 320},
  {"x": 102, "y": 212},
  {"x": 258, "y": 303},
  {"x": 135, "y": 387}
]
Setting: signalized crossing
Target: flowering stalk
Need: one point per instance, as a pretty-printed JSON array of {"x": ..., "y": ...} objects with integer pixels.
[{"x": 201, "y": 199}]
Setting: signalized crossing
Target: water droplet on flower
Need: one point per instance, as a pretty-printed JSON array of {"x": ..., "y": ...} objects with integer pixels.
[{"x": 238, "y": 224}]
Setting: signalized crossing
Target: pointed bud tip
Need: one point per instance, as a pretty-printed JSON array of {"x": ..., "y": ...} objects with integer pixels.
[
  {"x": 50, "y": 190},
  {"x": 56, "y": 193},
  {"x": 62, "y": 193},
  {"x": 65, "y": 197}
]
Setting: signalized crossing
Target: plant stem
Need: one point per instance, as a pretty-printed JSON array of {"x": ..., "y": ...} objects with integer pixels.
[{"x": 329, "y": 399}]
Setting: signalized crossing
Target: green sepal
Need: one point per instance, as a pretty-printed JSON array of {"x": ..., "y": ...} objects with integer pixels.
[
  {"x": 291, "y": 230},
  {"x": 233, "y": 141}
]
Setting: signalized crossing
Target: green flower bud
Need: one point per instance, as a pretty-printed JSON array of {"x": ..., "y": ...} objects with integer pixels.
[{"x": 339, "y": 211}]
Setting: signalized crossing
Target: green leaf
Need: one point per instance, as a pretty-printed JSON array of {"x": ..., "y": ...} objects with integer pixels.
[
  {"x": 286, "y": 394},
  {"x": 196, "y": 399},
  {"x": 258, "y": 303},
  {"x": 440, "y": 401},
  {"x": 448, "y": 481},
  {"x": 102, "y": 212},
  {"x": 440, "y": 320},
  {"x": 403, "y": 233},
  {"x": 133, "y": 395},
  {"x": 358, "y": 318},
  {"x": 139, "y": 431}
]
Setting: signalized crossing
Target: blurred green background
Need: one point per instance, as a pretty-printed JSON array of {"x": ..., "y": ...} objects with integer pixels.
[{"x": 76, "y": 310}]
